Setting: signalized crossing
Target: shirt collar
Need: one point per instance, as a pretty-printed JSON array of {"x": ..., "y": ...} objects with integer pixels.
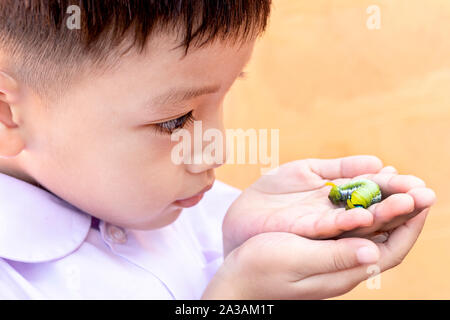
[{"x": 36, "y": 225}]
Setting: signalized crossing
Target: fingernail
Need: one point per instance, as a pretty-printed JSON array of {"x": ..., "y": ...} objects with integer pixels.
[
  {"x": 380, "y": 237},
  {"x": 390, "y": 169},
  {"x": 367, "y": 255}
]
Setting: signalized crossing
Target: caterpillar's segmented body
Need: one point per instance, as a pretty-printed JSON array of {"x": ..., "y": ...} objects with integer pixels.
[{"x": 360, "y": 193}]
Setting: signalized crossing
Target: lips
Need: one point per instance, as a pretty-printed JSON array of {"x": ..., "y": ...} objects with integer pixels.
[{"x": 192, "y": 201}]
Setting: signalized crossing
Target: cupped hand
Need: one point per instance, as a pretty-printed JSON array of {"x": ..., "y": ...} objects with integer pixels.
[
  {"x": 294, "y": 198},
  {"x": 279, "y": 265}
]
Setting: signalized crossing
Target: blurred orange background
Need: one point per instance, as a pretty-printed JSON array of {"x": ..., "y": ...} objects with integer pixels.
[{"x": 335, "y": 86}]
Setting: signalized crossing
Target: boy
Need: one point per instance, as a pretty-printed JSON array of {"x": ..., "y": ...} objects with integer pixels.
[{"x": 92, "y": 201}]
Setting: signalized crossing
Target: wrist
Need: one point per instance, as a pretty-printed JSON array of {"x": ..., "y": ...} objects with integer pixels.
[
  {"x": 226, "y": 284},
  {"x": 221, "y": 290}
]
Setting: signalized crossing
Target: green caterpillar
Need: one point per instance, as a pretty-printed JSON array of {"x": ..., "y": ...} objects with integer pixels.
[{"x": 361, "y": 193}]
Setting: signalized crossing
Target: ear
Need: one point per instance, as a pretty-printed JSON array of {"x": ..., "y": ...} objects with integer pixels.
[{"x": 11, "y": 141}]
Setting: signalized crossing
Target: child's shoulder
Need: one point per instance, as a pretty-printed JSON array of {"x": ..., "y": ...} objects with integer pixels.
[{"x": 37, "y": 226}]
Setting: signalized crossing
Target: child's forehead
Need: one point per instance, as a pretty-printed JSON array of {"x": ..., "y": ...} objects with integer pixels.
[
  {"x": 165, "y": 49},
  {"x": 208, "y": 66}
]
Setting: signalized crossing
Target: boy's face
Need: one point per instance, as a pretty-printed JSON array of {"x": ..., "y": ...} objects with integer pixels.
[{"x": 100, "y": 148}]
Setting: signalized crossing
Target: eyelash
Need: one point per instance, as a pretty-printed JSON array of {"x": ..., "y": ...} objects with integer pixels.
[{"x": 168, "y": 127}]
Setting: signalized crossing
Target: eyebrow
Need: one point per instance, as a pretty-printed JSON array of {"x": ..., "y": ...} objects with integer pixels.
[{"x": 178, "y": 95}]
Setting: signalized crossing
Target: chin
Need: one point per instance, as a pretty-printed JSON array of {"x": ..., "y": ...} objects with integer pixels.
[{"x": 164, "y": 220}]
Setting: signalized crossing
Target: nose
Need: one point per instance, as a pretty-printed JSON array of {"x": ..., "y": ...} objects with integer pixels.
[
  {"x": 201, "y": 168},
  {"x": 210, "y": 152},
  {"x": 205, "y": 161}
]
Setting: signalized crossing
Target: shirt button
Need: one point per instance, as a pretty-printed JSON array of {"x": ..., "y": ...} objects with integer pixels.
[{"x": 116, "y": 234}]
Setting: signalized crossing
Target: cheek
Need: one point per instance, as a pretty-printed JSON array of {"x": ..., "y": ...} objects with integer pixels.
[
  {"x": 135, "y": 186},
  {"x": 110, "y": 172},
  {"x": 128, "y": 177}
]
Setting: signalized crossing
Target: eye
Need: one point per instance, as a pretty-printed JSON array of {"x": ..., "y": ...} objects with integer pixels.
[{"x": 170, "y": 126}]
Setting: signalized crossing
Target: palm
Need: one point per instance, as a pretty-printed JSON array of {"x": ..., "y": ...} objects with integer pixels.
[{"x": 295, "y": 199}]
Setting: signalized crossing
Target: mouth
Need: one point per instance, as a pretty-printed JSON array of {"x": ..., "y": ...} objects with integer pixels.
[{"x": 192, "y": 201}]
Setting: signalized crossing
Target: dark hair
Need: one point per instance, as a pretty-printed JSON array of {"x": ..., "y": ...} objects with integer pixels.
[{"x": 37, "y": 43}]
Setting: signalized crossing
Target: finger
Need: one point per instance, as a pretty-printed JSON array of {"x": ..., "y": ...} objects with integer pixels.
[
  {"x": 395, "y": 211},
  {"x": 391, "y": 183},
  {"x": 389, "y": 169},
  {"x": 327, "y": 285},
  {"x": 331, "y": 223},
  {"x": 294, "y": 176},
  {"x": 400, "y": 241},
  {"x": 423, "y": 198},
  {"x": 392, "y": 253},
  {"x": 325, "y": 256},
  {"x": 347, "y": 167},
  {"x": 308, "y": 174},
  {"x": 351, "y": 219},
  {"x": 394, "y": 206}
]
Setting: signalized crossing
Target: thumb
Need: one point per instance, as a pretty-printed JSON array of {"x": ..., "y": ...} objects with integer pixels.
[{"x": 326, "y": 256}]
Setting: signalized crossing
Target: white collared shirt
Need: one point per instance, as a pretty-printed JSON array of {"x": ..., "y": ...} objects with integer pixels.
[{"x": 49, "y": 250}]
